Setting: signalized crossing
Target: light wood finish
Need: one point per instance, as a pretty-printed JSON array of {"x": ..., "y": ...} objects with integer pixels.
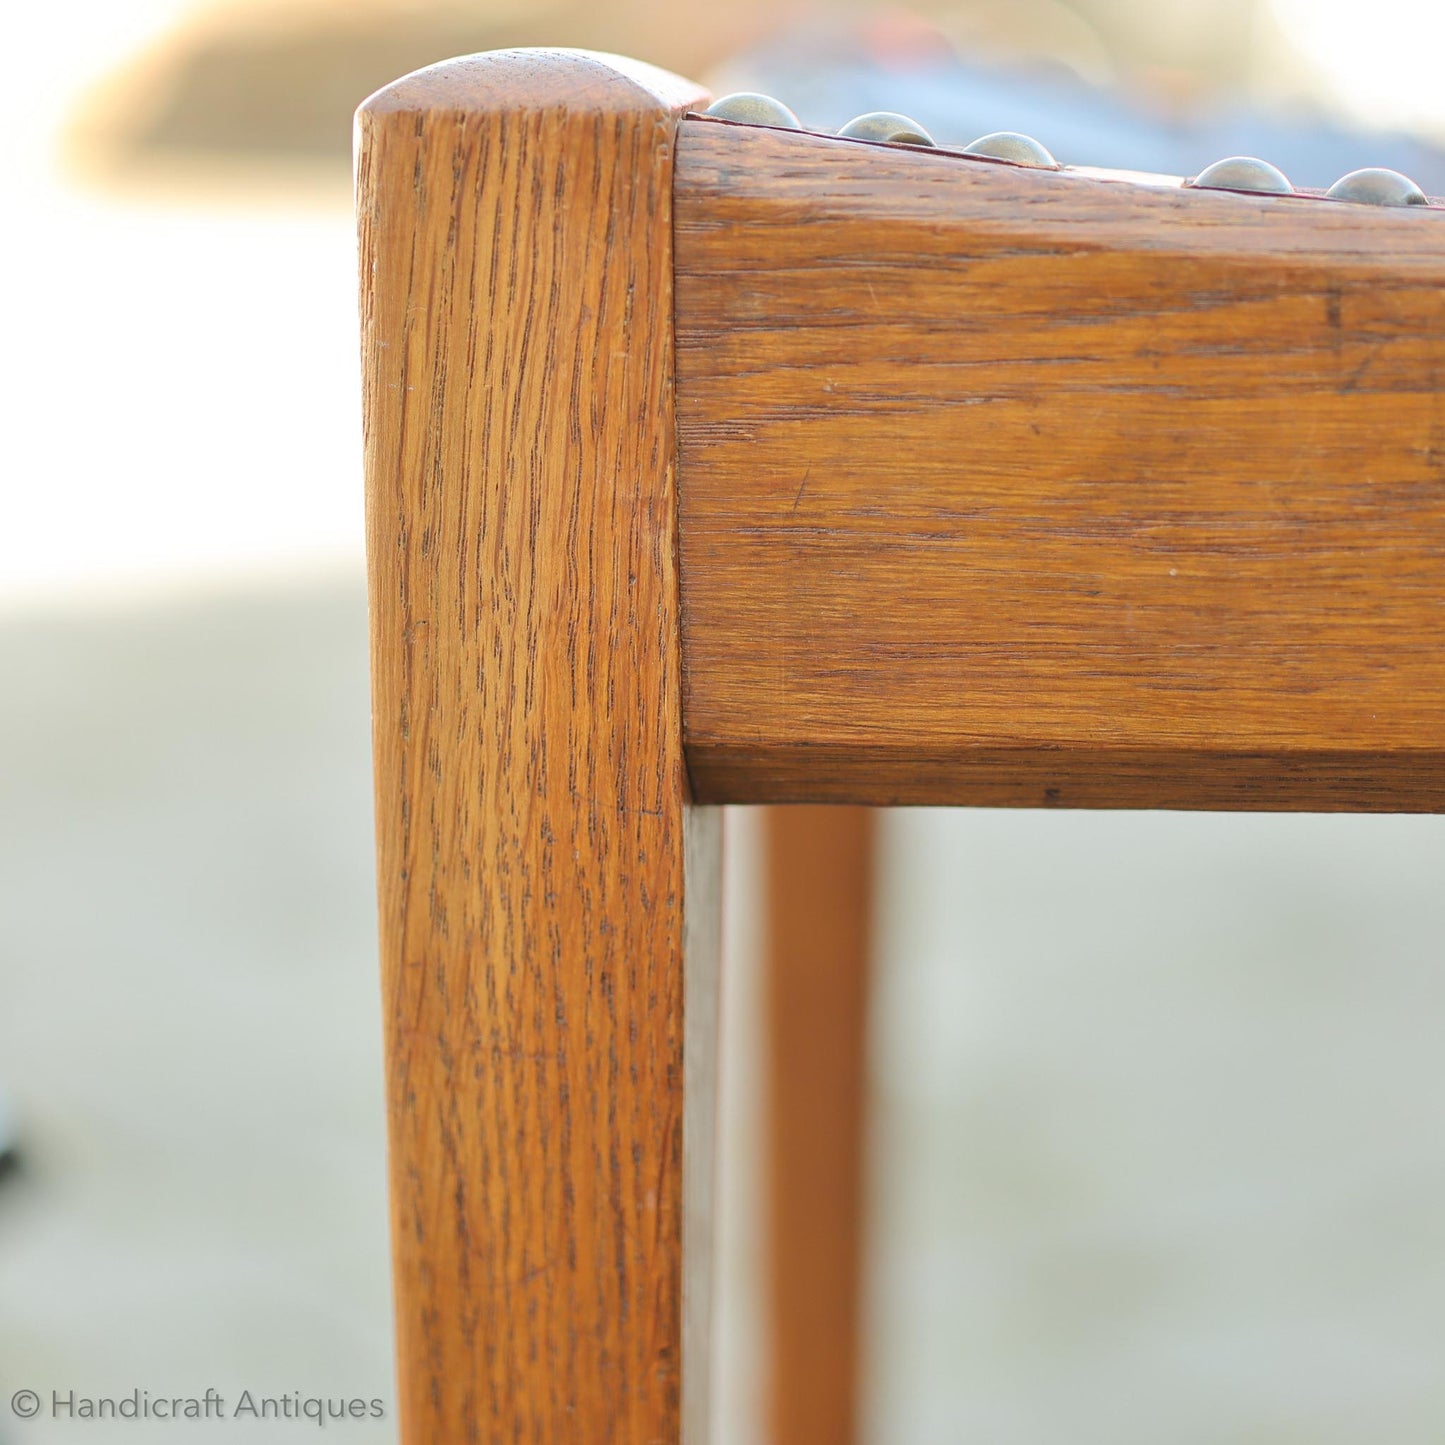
[
  {"x": 819, "y": 872},
  {"x": 517, "y": 329},
  {"x": 1012, "y": 487},
  {"x": 988, "y": 486}
]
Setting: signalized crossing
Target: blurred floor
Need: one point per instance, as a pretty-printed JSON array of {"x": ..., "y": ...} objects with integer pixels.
[
  {"x": 191, "y": 1021},
  {"x": 1160, "y": 1135}
]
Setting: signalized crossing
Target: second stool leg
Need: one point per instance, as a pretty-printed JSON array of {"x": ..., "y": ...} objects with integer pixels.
[{"x": 819, "y": 887}]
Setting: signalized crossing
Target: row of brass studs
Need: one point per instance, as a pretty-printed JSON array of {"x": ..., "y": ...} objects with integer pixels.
[
  {"x": 1373, "y": 186},
  {"x": 883, "y": 125}
]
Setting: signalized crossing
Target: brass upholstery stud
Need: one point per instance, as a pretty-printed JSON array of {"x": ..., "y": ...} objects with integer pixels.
[
  {"x": 1243, "y": 173},
  {"x": 753, "y": 109},
  {"x": 1376, "y": 186},
  {"x": 887, "y": 125},
  {"x": 1009, "y": 145}
]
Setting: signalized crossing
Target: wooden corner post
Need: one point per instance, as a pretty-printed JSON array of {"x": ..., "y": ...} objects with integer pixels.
[{"x": 532, "y": 812}]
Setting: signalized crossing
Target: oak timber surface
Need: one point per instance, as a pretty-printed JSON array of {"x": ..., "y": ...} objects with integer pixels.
[
  {"x": 820, "y": 880},
  {"x": 1008, "y": 486},
  {"x": 516, "y": 267}
]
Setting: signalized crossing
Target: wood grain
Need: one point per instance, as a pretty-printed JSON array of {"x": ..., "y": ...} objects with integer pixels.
[
  {"x": 517, "y": 339},
  {"x": 819, "y": 872},
  {"x": 1015, "y": 487}
]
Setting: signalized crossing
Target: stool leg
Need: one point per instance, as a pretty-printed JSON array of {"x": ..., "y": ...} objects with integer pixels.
[
  {"x": 819, "y": 877},
  {"x": 546, "y": 887}
]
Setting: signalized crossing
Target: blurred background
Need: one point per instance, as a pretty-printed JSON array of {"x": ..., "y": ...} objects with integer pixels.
[{"x": 1158, "y": 1139}]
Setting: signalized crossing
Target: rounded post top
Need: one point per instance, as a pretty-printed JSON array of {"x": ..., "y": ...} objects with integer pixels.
[{"x": 537, "y": 79}]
